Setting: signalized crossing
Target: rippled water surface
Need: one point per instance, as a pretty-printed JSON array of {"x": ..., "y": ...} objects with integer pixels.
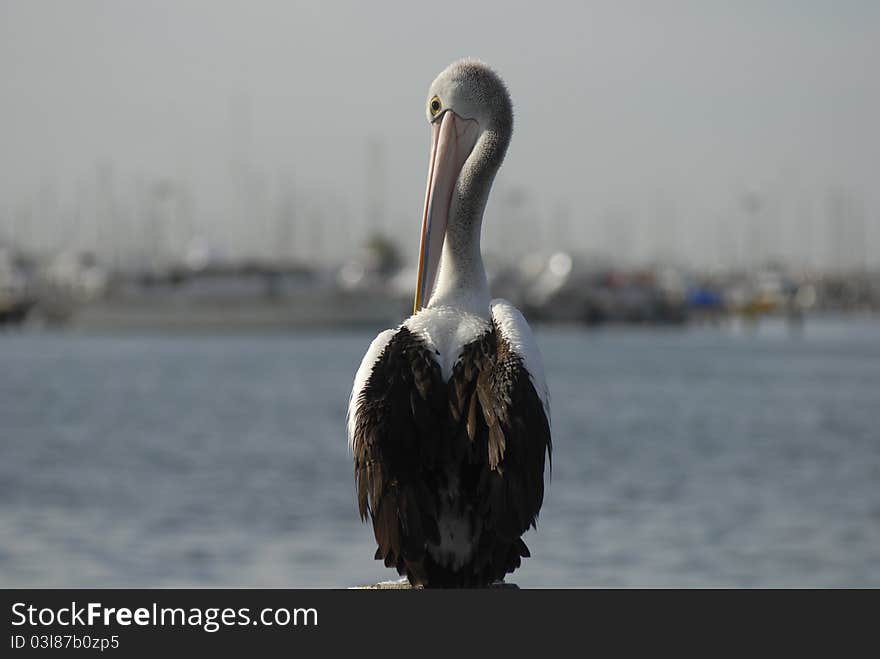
[{"x": 697, "y": 457}]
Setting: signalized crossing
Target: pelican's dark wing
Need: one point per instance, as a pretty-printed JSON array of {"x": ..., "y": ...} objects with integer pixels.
[
  {"x": 502, "y": 409},
  {"x": 396, "y": 420}
]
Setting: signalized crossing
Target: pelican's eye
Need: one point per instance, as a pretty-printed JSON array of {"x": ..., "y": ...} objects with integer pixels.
[{"x": 435, "y": 106}]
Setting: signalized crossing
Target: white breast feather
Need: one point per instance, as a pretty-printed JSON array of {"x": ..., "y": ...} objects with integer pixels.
[
  {"x": 516, "y": 330},
  {"x": 447, "y": 330}
]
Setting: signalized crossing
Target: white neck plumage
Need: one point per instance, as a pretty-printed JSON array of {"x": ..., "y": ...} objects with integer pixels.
[{"x": 461, "y": 280}]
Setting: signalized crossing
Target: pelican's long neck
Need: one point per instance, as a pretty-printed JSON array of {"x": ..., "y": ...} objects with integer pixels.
[{"x": 461, "y": 280}]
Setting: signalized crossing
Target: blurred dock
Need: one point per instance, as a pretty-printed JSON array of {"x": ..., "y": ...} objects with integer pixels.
[{"x": 373, "y": 289}]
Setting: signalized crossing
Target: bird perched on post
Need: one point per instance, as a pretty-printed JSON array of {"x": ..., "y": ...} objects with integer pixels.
[{"x": 449, "y": 418}]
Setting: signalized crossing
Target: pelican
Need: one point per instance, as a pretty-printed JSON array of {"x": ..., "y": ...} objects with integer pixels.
[{"x": 449, "y": 419}]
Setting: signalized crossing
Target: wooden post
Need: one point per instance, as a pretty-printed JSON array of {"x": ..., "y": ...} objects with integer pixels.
[{"x": 403, "y": 584}]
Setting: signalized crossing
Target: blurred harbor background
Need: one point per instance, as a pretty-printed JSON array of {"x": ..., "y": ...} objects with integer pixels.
[
  {"x": 374, "y": 288},
  {"x": 209, "y": 209},
  {"x": 146, "y": 267},
  {"x": 668, "y": 166}
]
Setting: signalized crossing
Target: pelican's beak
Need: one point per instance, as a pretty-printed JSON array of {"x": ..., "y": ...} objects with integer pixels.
[{"x": 453, "y": 139}]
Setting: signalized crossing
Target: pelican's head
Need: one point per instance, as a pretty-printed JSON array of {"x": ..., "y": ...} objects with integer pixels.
[{"x": 471, "y": 117}]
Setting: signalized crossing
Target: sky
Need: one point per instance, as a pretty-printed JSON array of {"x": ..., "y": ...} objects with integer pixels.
[{"x": 711, "y": 133}]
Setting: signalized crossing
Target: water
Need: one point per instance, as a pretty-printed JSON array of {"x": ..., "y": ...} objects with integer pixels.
[{"x": 697, "y": 457}]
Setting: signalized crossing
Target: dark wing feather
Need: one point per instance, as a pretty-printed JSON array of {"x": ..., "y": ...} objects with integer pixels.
[
  {"x": 518, "y": 438},
  {"x": 398, "y": 413},
  {"x": 493, "y": 396}
]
